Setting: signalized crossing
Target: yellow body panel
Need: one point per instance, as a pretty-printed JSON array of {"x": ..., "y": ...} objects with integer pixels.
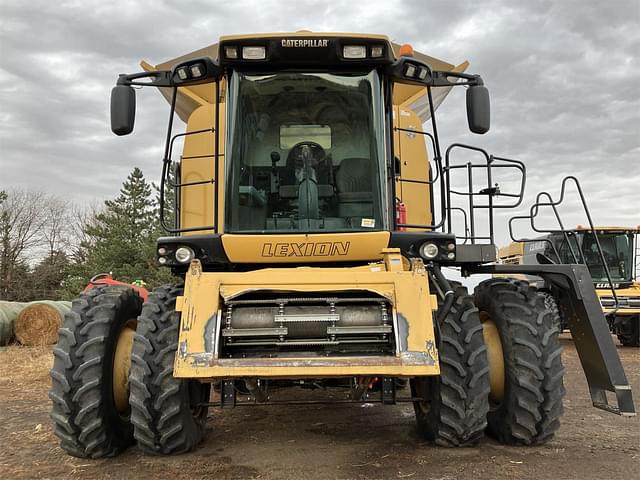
[
  {"x": 299, "y": 248},
  {"x": 407, "y": 291},
  {"x": 412, "y": 150},
  {"x": 513, "y": 250},
  {"x": 197, "y": 164},
  {"x": 630, "y": 292}
]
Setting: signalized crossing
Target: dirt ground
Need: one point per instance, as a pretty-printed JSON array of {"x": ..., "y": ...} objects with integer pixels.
[{"x": 320, "y": 441}]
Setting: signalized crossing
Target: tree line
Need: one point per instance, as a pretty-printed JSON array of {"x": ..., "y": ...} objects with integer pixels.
[{"x": 50, "y": 248}]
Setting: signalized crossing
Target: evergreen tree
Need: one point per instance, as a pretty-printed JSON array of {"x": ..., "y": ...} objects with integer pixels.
[{"x": 122, "y": 239}]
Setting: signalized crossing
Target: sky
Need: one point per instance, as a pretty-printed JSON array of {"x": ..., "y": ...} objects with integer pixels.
[{"x": 563, "y": 78}]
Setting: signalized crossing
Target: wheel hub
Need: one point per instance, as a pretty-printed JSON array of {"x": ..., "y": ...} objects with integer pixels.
[
  {"x": 121, "y": 366},
  {"x": 496, "y": 357}
]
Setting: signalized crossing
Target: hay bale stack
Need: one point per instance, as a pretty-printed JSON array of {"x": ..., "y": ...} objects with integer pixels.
[
  {"x": 38, "y": 322},
  {"x": 8, "y": 313}
]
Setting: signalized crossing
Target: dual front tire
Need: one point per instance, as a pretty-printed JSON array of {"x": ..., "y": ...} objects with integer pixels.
[
  {"x": 501, "y": 370},
  {"x": 107, "y": 331}
]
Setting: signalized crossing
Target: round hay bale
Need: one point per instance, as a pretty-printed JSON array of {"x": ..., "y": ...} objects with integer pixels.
[
  {"x": 8, "y": 313},
  {"x": 38, "y": 322}
]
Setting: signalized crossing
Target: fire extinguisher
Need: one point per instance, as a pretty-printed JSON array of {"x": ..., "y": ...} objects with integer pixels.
[{"x": 401, "y": 214}]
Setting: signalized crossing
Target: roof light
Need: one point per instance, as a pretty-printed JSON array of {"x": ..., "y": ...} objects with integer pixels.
[
  {"x": 410, "y": 70},
  {"x": 254, "y": 53},
  {"x": 231, "y": 52},
  {"x": 377, "y": 51},
  {"x": 354, "y": 51},
  {"x": 422, "y": 73},
  {"x": 197, "y": 70},
  {"x": 183, "y": 73}
]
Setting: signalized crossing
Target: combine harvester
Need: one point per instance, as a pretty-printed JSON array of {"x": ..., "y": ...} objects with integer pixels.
[
  {"x": 311, "y": 229},
  {"x": 614, "y": 273}
]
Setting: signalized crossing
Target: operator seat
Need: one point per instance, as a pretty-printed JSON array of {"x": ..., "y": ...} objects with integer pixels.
[{"x": 354, "y": 180}]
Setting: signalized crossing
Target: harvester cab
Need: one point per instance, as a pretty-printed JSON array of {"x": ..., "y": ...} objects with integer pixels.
[
  {"x": 610, "y": 254},
  {"x": 309, "y": 223}
]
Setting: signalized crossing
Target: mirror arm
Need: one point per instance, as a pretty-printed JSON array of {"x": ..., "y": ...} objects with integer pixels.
[
  {"x": 153, "y": 79},
  {"x": 441, "y": 79}
]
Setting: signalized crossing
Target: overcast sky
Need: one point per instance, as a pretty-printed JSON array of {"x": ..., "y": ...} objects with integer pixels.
[{"x": 563, "y": 78}]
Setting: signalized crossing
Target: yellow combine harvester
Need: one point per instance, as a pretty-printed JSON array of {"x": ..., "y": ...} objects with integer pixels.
[
  {"x": 614, "y": 274},
  {"x": 311, "y": 226}
]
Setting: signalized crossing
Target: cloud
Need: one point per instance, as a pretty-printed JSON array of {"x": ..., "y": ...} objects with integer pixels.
[{"x": 563, "y": 79}]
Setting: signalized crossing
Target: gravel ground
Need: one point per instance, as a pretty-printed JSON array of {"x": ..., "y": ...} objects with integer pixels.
[{"x": 320, "y": 441}]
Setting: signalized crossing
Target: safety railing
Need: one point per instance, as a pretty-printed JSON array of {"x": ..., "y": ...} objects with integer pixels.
[
  {"x": 176, "y": 184},
  {"x": 490, "y": 192},
  {"x": 544, "y": 199},
  {"x": 434, "y": 178}
]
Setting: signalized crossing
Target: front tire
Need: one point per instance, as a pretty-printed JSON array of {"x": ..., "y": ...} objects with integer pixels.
[
  {"x": 90, "y": 418},
  {"x": 165, "y": 411},
  {"x": 454, "y": 412},
  {"x": 628, "y": 330},
  {"x": 528, "y": 408}
]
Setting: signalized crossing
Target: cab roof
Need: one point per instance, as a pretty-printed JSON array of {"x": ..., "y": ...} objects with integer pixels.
[{"x": 408, "y": 96}]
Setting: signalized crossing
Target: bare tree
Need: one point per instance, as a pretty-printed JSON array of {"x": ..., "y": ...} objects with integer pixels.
[
  {"x": 57, "y": 226},
  {"x": 22, "y": 220},
  {"x": 78, "y": 241}
]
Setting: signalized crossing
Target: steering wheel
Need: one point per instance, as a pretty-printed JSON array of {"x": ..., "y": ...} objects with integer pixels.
[{"x": 314, "y": 153}]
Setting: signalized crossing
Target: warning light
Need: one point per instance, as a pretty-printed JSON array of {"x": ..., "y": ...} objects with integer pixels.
[{"x": 406, "y": 50}]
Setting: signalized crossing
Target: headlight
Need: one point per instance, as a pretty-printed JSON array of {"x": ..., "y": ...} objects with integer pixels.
[
  {"x": 184, "y": 254},
  {"x": 429, "y": 251}
]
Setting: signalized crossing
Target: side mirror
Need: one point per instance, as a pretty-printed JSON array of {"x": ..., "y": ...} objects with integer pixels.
[
  {"x": 123, "y": 109},
  {"x": 478, "y": 109}
]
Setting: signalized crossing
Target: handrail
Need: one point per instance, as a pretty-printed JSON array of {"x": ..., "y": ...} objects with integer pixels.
[
  {"x": 534, "y": 212},
  {"x": 167, "y": 161},
  {"x": 490, "y": 162}
]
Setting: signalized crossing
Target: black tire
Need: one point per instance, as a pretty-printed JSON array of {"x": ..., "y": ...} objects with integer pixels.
[
  {"x": 163, "y": 413},
  {"x": 628, "y": 331},
  {"x": 551, "y": 305},
  {"x": 530, "y": 409},
  {"x": 455, "y": 413},
  {"x": 84, "y": 413}
]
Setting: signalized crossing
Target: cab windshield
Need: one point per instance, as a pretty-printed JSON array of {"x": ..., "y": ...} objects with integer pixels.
[
  {"x": 618, "y": 253},
  {"x": 306, "y": 153}
]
